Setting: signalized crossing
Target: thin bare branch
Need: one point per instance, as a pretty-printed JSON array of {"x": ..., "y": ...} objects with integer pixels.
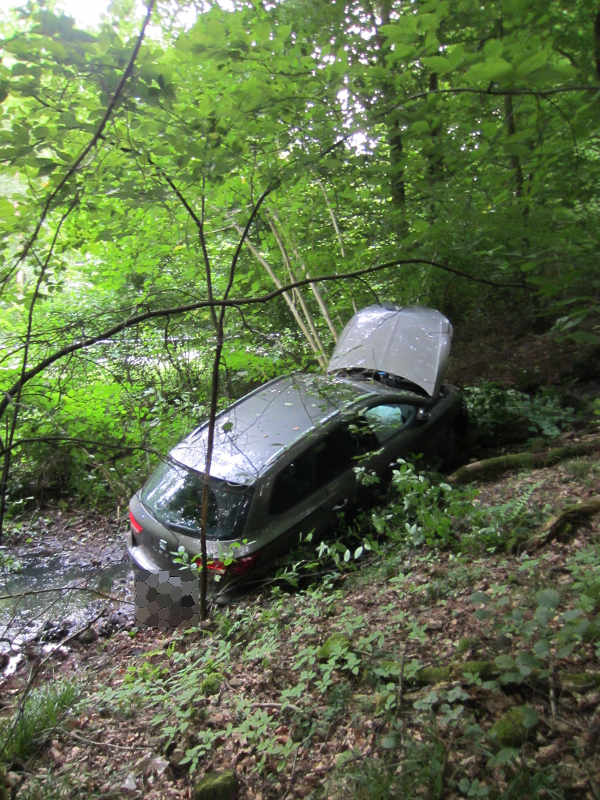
[
  {"x": 87, "y": 149},
  {"x": 137, "y": 319}
]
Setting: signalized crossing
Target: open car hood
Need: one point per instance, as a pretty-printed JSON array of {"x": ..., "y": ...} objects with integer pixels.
[{"x": 410, "y": 343}]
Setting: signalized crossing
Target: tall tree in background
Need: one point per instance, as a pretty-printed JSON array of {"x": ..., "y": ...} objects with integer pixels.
[{"x": 445, "y": 132}]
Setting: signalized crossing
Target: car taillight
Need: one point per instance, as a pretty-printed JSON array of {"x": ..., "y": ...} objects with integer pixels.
[
  {"x": 242, "y": 565},
  {"x": 214, "y": 566},
  {"x": 137, "y": 528},
  {"x": 238, "y": 567}
]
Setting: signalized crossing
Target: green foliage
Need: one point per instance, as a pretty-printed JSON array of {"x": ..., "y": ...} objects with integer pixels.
[
  {"x": 420, "y": 511},
  {"x": 33, "y": 723},
  {"x": 476, "y": 174},
  {"x": 547, "y": 632},
  {"x": 584, "y": 567},
  {"x": 423, "y": 765},
  {"x": 96, "y": 438},
  {"x": 493, "y": 408},
  {"x": 331, "y": 656},
  {"x": 506, "y": 527},
  {"x": 423, "y": 511},
  {"x": 515, "y": 727},
  {"x": 8, "y": 562}
]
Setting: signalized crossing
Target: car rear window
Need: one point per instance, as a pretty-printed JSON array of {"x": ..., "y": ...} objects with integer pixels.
[{"x": 173, "y": 494}]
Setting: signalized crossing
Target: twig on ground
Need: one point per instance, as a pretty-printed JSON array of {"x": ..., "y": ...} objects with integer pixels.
[
  {"x": 67, "y": 589},
  {"x": 85, "y": 740}
]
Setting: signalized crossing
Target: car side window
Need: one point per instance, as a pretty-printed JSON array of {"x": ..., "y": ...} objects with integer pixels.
[
  {"x": 320, "y": 463},
  {"x": 386, "y": 420}
]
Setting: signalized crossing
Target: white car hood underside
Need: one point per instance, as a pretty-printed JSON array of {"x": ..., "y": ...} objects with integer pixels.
[{"x": 411, "y": 343}]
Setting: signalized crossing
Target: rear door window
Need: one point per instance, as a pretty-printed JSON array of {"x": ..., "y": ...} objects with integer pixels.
[{"x": 319, "y": 464}]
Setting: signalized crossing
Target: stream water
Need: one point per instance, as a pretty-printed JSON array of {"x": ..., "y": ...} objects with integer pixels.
[{"x": 54, "y": 593}]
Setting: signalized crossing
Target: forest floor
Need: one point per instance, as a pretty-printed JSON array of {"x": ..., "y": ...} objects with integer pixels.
[
  {"x": 421, "y": 673},
  {"x": 329, "y": 691}
]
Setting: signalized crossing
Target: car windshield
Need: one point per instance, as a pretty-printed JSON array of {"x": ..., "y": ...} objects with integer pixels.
[{"x": 174, "y": 496}]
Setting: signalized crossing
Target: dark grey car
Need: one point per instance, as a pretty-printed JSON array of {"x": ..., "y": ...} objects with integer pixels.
[{"x": 284, "y": 455}]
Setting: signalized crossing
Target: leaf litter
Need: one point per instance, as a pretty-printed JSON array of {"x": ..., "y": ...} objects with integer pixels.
[{"x": 324, "y": 729}]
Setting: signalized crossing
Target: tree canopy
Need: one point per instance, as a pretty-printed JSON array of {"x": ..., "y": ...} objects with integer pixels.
[{"x": 243, "y": 177}]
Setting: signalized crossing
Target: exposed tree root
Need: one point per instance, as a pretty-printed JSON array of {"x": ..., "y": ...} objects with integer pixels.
[
  {"x": 553, "y": 527},
  {"x": 492, "y": 467}
]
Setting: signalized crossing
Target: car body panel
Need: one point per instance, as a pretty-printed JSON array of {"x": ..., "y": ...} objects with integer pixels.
[
  {"x": 252, "y": 433},
  {"x": 412, "y": 343},
  {"x": 291, "y": 447},
  {"x": 274, "y": 532}
]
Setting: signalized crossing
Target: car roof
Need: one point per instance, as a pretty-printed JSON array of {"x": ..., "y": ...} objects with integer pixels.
[
  {"x": 412, "y": 343},
  {"x": 254, "y": 431}
]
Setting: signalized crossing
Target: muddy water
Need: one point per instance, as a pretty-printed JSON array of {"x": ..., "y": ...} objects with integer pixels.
[{"x": 58, "y": 590}]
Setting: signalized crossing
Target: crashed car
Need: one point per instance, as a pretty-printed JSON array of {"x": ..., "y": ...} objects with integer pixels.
[{"x": 284, "y": 457}]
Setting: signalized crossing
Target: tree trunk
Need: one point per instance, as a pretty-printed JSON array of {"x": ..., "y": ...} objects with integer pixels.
[
  {"x": 553, "y": 527},
  {"x": 515, "y": 161},
  {"x": 293, "y": 310},
  {"x": 314, "y": 288},
  {"x": 396, "y": 145},
  {"x": 296, "y": 293},
  {"x": 597, "y": 44}
]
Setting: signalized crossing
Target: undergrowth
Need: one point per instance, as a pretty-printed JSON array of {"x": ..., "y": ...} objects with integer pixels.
[
  {"x": 492, "y": 408},
  {"x": 315, "y": 650},
  {"x": 352, "y": 664},
  {"x": 35, "y": 719}
]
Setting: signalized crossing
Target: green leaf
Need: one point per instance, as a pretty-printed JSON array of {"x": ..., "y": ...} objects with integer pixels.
[
  {"x": 494, "y": 70},
  {"x": 493, "y": 48},
  {"x": 405, "y": 52},
  {"x": 46, "y": 167},
  {"x": 526, "y": 663},
  {"x": 455, "y": 55},
  {"x": 389, "y": 741},
  {"x": 402, "y": 31},
  {"x": 506, "y": 755},
  {"x": 548, "y": 598},
  {"x": 504, "y": 662},
  {"x": 541, "y": 648},
  {"x": 426, "y": 22},
  {"x": 7, "y": 210},
  {"x": 419, "y": 127},
  {"x": 533, "y": 63},
  {"x": 438, "y": 64}
]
